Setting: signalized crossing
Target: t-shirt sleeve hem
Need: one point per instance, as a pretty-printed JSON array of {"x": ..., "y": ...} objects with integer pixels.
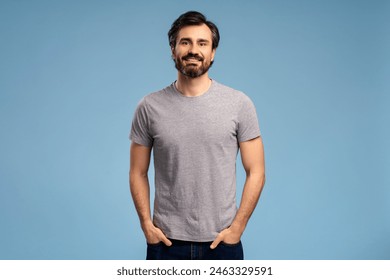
[
  {"x": 249, "y": 137},
  {"x": 140, "y": 141}
]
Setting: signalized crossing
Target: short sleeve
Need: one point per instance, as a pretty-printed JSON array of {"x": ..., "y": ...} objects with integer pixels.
[
  {"x": 248, "y": 124},
  {"x": 140, "y": 133}
]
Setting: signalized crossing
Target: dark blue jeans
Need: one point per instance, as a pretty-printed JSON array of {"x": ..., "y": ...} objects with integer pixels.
[{"x": 186, "y": 250}]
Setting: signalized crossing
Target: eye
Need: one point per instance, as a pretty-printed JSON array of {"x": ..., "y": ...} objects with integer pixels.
[{"x": 184, "y": 43}]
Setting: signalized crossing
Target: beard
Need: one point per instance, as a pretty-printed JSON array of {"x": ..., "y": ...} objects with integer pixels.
[{"x": 192, "y": 70}]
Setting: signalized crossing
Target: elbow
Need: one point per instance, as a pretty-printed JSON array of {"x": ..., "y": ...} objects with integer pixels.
[
  {"x": 258, "y": 177},
  {"x": 133, "y": 182},
  {"x": 135, "y": 176},
  {"x": 131, "y": 178},
  {"x": 261, "y": 180}
]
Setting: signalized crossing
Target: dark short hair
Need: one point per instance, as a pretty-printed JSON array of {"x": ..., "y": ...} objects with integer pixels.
[{"x": 188, "y": 19}]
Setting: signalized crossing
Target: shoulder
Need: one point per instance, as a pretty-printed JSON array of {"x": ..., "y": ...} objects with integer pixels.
[
  {"x": 155, "y": 98},
  {"x": 234, "y": 95}
]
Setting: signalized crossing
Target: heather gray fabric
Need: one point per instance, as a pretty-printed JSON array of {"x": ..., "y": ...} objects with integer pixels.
[{"x": 195, "y": 146}]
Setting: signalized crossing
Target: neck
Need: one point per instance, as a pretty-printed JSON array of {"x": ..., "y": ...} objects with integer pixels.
[{"x": 192, "y": 87}]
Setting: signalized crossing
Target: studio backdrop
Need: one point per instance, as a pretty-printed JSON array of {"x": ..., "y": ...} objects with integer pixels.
[{"x": 72, "y": 73}]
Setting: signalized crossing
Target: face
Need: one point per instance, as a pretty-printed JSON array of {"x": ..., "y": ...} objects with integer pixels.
[{"x": 193, "y": 53}]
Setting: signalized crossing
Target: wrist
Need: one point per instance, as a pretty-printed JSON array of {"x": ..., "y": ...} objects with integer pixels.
[
  {"x": 146, "y": 224},
  {"x": 237, "y": 227}
]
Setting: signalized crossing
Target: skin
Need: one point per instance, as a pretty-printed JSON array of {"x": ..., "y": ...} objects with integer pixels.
[{"x": 197, "y": 40}]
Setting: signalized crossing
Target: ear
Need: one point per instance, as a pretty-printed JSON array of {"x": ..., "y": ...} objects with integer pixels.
[
  {"x": 173, "y": 52},
  {"x": 213, "y": 54}
]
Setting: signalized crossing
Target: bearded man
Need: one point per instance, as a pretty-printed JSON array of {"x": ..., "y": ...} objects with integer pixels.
[{"x": 195, "y": 127}]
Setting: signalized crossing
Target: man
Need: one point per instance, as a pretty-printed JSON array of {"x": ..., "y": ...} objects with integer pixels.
[{"x": 195, "y": 127}]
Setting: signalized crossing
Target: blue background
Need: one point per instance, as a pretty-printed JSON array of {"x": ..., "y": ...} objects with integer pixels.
[{"x": 72, "y": 73}]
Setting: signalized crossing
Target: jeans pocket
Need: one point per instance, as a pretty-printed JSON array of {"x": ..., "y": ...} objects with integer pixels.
[
  {"x": 227, "y": 251},
  {"x": 154, "y": 244},
  {"x": 231, "y": 245},
  {"x": 154, "y": 251}
]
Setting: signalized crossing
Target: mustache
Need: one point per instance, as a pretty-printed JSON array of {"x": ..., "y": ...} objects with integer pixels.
[{"x": 194, "y": 56}]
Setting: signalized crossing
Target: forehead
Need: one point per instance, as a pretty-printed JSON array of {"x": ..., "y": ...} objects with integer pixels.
[{"x": 195, "y": 32}]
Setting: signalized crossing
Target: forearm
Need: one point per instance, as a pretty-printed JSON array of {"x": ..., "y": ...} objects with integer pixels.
[
  {"x": 253, "y": 187},
  {"x": 140, "y": 191}
]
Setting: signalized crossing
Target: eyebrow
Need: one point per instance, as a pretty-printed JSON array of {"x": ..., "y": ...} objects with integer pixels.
[{"x": 199, "y": 40}]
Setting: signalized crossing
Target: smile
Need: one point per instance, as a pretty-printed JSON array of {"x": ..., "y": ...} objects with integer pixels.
[{"x": 192, "y": 61}]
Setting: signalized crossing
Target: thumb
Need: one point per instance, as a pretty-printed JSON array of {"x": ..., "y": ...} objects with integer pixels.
[
  {"x": 216, "y": 242},
  {"x": 166, "y": 241},
  {"x": 163, "y": 238}
]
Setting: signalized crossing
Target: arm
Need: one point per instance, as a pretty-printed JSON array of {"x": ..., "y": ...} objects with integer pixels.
[
  {"x": 140, "y": 191},
  {"x": 252, "y": 156}
]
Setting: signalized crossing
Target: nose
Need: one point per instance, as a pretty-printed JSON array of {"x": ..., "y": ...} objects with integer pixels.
[{"x": 193, "y": 49}]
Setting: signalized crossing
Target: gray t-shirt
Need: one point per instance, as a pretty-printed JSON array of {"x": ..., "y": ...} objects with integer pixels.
[{"x": 195, "y": 146}]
